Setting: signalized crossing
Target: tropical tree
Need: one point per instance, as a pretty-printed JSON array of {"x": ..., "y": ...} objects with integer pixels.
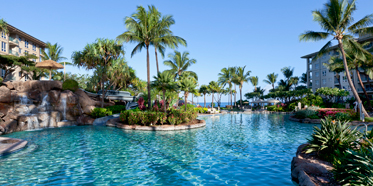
[
  {"x": 336, "y": 20},
  {"x": 104, "y": 55},
  {"x": 254, "y": 81},
  {"x": 164, "y": 81},
  {"x": 213, "y": 87},
  {"x": 204, "y": 89},
  {"x": 271, "y": 79},
  {"x": 288, "y": 72},
  {"x": 241, "y": 77},
  {"x": 179, "y": 64},
  {"x": 187, "y": 84},
  {"x": 4, "y": 26},
  {"x": 10, "y": 63},
  {"x": 303, "y": 78},
  {"x": 226, "y": 78},
  {"x": 141, "y": 27},
  {"x": 163, "y": 35}
]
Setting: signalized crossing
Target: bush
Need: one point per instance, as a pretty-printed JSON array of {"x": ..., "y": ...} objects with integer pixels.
[
  {"x": 116, "y": 108},
  {"x": 333, "y": 111},
  {"x": 133, "y": 118},
  {"x": 331, "y": 138},
  {"x": 369, "y": 119},
  {"x": 162, "y": 117},
  {"x": 100, "y": 112},
  {"x": 302, "y": 114},
  {"x": 355, "y": 167},
  {"x": 341, "y": 116},
  {"x": 70, "y": 84},
  {"x": 189, "y": 107},
  {"x": 1, "y": 80},
  {"x": 200, "y": 110}
]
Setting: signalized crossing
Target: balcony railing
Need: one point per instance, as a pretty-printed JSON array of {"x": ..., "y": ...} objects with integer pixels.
[
  {"x": 13, "y": 40},
  {"x": 13, "y": 52}
]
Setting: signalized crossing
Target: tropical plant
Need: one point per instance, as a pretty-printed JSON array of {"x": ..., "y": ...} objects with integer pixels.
[
  {"x": 188, "y": 85},
  {"x": 106, "y": 57},
  {"x": 271, "y": 79},
  {"x": 179, "y": 64},
  {"x": 55, "y": 53},
  {"x": 336, "y": 21},
  {"x": 333, "y": 136},
  {"x": 10, "y": 63},
  {"x": 241, "y": 77},
  {"x": 100, "y": 112},
  {"x": 4, "y": 26},
  {"x": 204, "y": 89},
  {"x": 226, "y": 78},
  {"x": 70, "y": 84},
  {"x": 303, "y": 78},
  {"x": 213, "y": 87},
  {"x": 164, "y": 81},
  {"x": 163, "y": 36},
  {"x": 141, "y": 29}
]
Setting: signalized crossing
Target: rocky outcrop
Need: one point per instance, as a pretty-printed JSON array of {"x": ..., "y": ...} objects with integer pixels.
[
  {"x": 5, "y": 95},
  {"x": 42, "y": 86},
  {"x": 309, "y": 170},
  {"x": 86, "y": 102}
]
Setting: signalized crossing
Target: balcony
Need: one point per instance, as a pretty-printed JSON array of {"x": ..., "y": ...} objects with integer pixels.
[
  {"x": 14, "y": 53},
  {"x": 13, "y": 41}
]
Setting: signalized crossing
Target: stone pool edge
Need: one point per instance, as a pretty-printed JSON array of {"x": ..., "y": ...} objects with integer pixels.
[
  {"x": 115, "y": 123},
  {"x": 8, "y": 148}
]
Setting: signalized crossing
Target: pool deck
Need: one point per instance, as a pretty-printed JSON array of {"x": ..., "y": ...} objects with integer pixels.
[{"x": 9, "y": 145}]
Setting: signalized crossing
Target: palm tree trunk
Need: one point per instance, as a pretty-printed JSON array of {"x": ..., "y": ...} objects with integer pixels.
[
  {"x": 363, "y": 87},
  {"x": 185, "y": 102},
  {"x": 241, "y": 98},
  {"x": 231, "y": 98},
  {"x": 148, "y": 73},
  {"x": 273, "y": 86},
  {"x": 235, "y": 93},
  {"x": 204, "y": 98},
  {"x": 340, "y": 44},
  {"x": 212, "y": 101},
  {"x": 164, "y": 100},
  {"x": 192, "y": 100},
  {"x": 156, "y": 58},
  {"x": 103, "y": 93}
]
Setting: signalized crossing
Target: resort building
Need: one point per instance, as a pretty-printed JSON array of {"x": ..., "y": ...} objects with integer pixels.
[
  {"x": 19, "y": 43},
  {"x": 319, "y": 76}
]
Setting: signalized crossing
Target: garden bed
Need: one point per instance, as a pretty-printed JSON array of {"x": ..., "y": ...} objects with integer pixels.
[{"x": 196, "y": 123}]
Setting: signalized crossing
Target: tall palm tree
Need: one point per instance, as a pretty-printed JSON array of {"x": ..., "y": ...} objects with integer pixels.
[
  {"x": 55, "y": 53},
  {"x": 141, "y": 27},
  {"x": 241, "y": 77},
  {"x": 164, "y": 81},
  {"x": 163, "y": 35},
  {"x": 303, "y": 78},
  {"x": 213, "y": 87},
  {"x": 288, "y": 72},
  {"x": 254, "y": 80},
  {"x": 204, "y": 89},
  {"x": 226, "y": 78},
  {"x": 336, "y": 21},
  {"x": 4, "y": 26},
  {"x": 179, "y": 64},
  {"x": 271, "y": 79},
  {"x": 187, "y": 84},
  {"x": 294, "y": 81}
]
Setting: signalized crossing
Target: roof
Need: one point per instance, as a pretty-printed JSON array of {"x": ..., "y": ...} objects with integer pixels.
[
  {"x": 336, "y": 46},
  {"x": 25, "y": 35}
]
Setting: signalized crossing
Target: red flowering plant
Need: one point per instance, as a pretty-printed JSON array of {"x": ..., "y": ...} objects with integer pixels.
[
  {"x": 133, "y": 118},
  {"x": 152, "y": 117},
  {"x": 162, "y": 117},
  {"x": 171, "y": 119},
  {"x": 325, "y": 112},
  {"x": 140, "y": 103}
]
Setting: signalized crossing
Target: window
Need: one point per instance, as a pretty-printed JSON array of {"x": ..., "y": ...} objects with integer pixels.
[
  {"x": 20, "y": 51},
  {"x": 19, "y": 74},
  {"x": 26, "y": 43},
  {"x": 324, "y": 81},
  {"x": 2, "y": 72},
  {"x": 3, "y": 35},
  {"x": 33, "y": 47},
  {"x": 26, "y": 77},
  {"x": 317, "y": 74},
  {"x": 39, "y": 59},
  {"x": 330, "y": 79},
  {"x": 316, "y": 65},
  {"x": 344, "y": 78},
  {"x": 317, "y": 82},
  {"x": 324, "y": 73},
  {"x": 3, "y": 46}
]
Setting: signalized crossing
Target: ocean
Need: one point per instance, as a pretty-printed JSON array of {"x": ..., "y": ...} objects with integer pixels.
[{"x": 208, "y": 103}]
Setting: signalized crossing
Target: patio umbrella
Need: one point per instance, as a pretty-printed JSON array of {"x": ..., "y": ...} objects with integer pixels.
[
  {"x": 245, "y": 102},
  {"x": 49, "y": 64}
]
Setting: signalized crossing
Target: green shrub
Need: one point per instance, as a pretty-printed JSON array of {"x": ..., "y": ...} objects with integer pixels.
[
  {"x": 314, "y": 117},
  {"x": 302, "y": 114},
  {"x": 189, "y": 107},
  {"x": 369, "y": 119},
  {"x": 133, "y": 118},
  {"x": 171, "y": 119},
  {"x": 70, "y": 84},
  {"x": 343, "y": 116},
  {"x": 116, "y": 108},
  {"x": 330, "y": 138},
  {"x": 1, "y": 80},
  {"x": 152, "y": 117},
  {"x": 123, "y": 117},
  {"x": 100, "y": 112},
  {"x": 162, "y": 117},
  {"x": 200, "y": 110},
  {"x": 354, "y": 167}
]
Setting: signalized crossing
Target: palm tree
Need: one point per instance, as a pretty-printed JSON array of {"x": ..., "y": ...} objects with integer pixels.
[
  {"x": 303, "y": 78},
  {"x": 213, "y": 87},
  {"x": 4, "y": 26},
  {"x": 254, "y": 80},
  {"x": 288, "y": 72},
  {"x": 163, "y": 34},
  {"x": 241, "y": 77},
  {"x": 294, "y": 81},
  {"x": 187, "y": 84},
  {"x": 164, "y": 81},
  {"x": 55, "y": 53},
  {"x": 179, "y": 64},
  {"x": 204, "y": 89},
  {"x": 226, "y": 77},
  {"x": 271, "y": 79},
  {"x": 336, "y": 21},
  {"x": 141, "y": 27}
]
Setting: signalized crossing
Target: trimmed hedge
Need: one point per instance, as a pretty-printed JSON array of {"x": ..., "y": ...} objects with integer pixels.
[{"x": 70, "y": 84}]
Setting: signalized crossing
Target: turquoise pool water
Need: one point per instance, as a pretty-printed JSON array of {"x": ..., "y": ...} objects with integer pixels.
[{"x": 241, "y": 149}]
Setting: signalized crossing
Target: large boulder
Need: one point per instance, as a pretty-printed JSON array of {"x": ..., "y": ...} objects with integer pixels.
[
  {"x": 54, "y": 97},
  {"x": 69, "y": 105},
  {"x": 8, "y": 126},
  {"x": 27, "y": 86},
  {"x": 9, "y": 84},
  {"x": 5, "y": 95},
  {"x": 85, "y": 120},
  {"x": 86, "y": 102}
]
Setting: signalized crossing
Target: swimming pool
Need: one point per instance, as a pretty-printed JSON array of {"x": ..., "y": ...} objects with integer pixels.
[{"x": 240, "y": 149}]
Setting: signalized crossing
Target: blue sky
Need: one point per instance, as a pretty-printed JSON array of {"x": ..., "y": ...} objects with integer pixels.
[{"x": 263, "y": 35}]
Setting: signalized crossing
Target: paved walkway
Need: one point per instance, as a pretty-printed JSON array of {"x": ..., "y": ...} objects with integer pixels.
[{"x": 9, "y": 145}]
